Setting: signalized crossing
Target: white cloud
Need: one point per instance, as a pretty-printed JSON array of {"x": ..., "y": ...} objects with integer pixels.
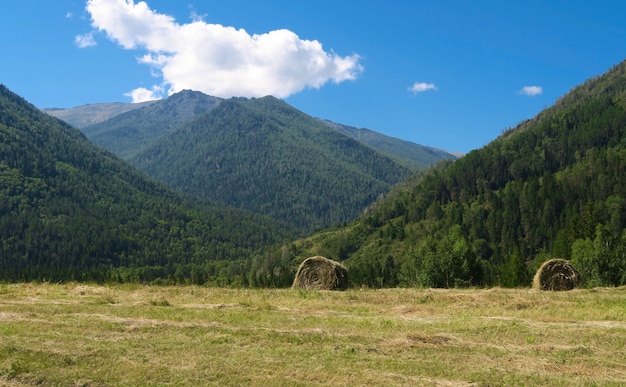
[
  {"x": 193, "y": 15},
  {"x": 531, "y": 91},
  {"x": 420, "y": 87},
  {"x": 219, "y": 60},
  {"x": 85, "y": 40},
  {"x": 141, "y": 94}
]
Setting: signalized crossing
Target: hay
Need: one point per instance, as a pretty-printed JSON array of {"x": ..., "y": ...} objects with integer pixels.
[
  {"x": 319, "y": 273},
  {"x": 556, "y": 274}
]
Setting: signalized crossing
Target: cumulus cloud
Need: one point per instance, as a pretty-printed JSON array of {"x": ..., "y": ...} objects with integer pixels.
[
  {"x": 531, "y": 90},
  {"x": 85, "y": 40},
  {"x": 141, "y": 94},
  {"x": 219, "y": 60},
  {"x": 420, "y": 87}
]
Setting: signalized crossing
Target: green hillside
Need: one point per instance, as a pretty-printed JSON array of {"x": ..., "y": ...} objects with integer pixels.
[
  {"x": 70, "y": 210},
  {"x": 413, "y": 156},
  {"x": 137, "y": 136},
  {"x": 129, "y": 133},
  {"x": 264, "y": 156},
  {"x": 552, "y": 187}
]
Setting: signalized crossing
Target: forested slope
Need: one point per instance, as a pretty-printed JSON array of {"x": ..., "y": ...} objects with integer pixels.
[
  {"x": 70, "y": 210},
  {"x": 129, "y": 133},
  {"x": 265, "y": 156},
  {"x": 415, "y": 156},
  {"x": 554, "y": 186}
]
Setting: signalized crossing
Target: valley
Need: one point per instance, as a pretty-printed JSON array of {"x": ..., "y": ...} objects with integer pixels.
[{"x": 238, "y": 192}]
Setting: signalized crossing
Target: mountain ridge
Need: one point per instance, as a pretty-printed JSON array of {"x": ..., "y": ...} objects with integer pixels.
[
  {"x": 89, "y": 114},
  {"x": 402, "y": 150},
  {"x": 264, "y": 155},
  {"x": 81, "y": 117},
  {"x": 138, "y": 135},
  {"x": 128, "y": 133}
]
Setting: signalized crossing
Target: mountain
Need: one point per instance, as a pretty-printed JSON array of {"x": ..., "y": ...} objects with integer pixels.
[
  {"x": 412, "y": 155},
  {"x": 82, "y": 116},
  {"x": 305, "y": 197},
  {"x": 69, "y": 210},
  {"x": 554, "y": 186},
  {"x": 267, "y": 157},
  {"x": 125, "y": 134},
  {"x": 129, "y": 133}
]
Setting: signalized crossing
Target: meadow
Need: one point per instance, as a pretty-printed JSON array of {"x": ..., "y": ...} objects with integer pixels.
[{"x": 93, "y": 335}]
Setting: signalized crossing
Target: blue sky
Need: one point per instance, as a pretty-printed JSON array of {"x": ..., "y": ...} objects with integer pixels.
[{"x": 447, "y": 74}]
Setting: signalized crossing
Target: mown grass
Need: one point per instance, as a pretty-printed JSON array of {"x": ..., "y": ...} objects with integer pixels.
[{"x": 76, "y": 334}]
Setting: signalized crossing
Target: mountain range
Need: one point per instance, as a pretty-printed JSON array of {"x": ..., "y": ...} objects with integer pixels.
[
  {"x": 552, "y": 187},
  {"x": 261, "y": 155}
]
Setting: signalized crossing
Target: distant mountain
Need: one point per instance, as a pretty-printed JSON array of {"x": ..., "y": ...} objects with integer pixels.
[
  {"x": 412, "y": 155},
  {"x": 143, "y": 137},
  {"x": 69, "y": 210},
  {"x": 82, "y": 116},
  {"x": 265, "y": 156},
  {"x": 128, "y": 133},
  {"x": 554, "y": 186}
]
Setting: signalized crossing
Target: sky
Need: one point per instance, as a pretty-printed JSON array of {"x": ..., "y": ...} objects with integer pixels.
[{"x": 447, "y": 74}]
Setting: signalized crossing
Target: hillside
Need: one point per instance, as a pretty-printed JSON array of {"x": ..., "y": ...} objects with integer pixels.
[
  {"x": 267, "y": 157},
  {"x": 70, "y": 210},
  {"x": 82, "y": 116},
  {"x": 413, "y": 156},
  {"x": 129, "y": 133},
  {"x": 554, "y": 186},
  {"x": 107, "y": 125}
]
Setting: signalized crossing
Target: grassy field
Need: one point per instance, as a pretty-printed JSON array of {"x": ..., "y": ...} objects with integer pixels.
[{"x": 77, "y": 334}]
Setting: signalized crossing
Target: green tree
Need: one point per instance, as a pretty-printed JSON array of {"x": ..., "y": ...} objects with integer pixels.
[{"x": 445, "y": 263}]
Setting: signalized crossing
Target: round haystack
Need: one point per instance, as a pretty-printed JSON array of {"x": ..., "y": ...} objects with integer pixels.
[
  {"x": 320, "y": 273},
  {"x": 556, "y": 274}
]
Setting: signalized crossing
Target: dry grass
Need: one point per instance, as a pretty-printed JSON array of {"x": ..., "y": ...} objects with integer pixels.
[{"x": 139, "y": 335}]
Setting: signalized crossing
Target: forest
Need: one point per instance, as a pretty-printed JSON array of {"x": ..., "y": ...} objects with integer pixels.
[
  {"x": 259, "y": 154},
  {"x": 70, "y": 210},
  {"x": 264, "y": 156},
  {"x": 551, "y": 187}
]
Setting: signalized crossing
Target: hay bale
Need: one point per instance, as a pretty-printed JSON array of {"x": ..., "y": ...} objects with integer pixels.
[
  {"x": 556, "y": 274},
  {"x": 320, "y": 273}
]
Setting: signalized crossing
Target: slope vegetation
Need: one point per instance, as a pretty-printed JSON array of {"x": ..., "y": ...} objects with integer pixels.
[
  {"x": 71, "y": 210},
  {"x": 414, "y": 156},
  {"x": 264, "y": 156},
  {"x": 128, "y": 133},
  {"x": 552, "y": 187},
  {"x": 288, "y": 165}
]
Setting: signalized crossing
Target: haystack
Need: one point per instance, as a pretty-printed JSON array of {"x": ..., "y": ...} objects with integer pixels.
[
  {"x": 320, "y": 273},
  {"x": 556, "y": 274}
]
